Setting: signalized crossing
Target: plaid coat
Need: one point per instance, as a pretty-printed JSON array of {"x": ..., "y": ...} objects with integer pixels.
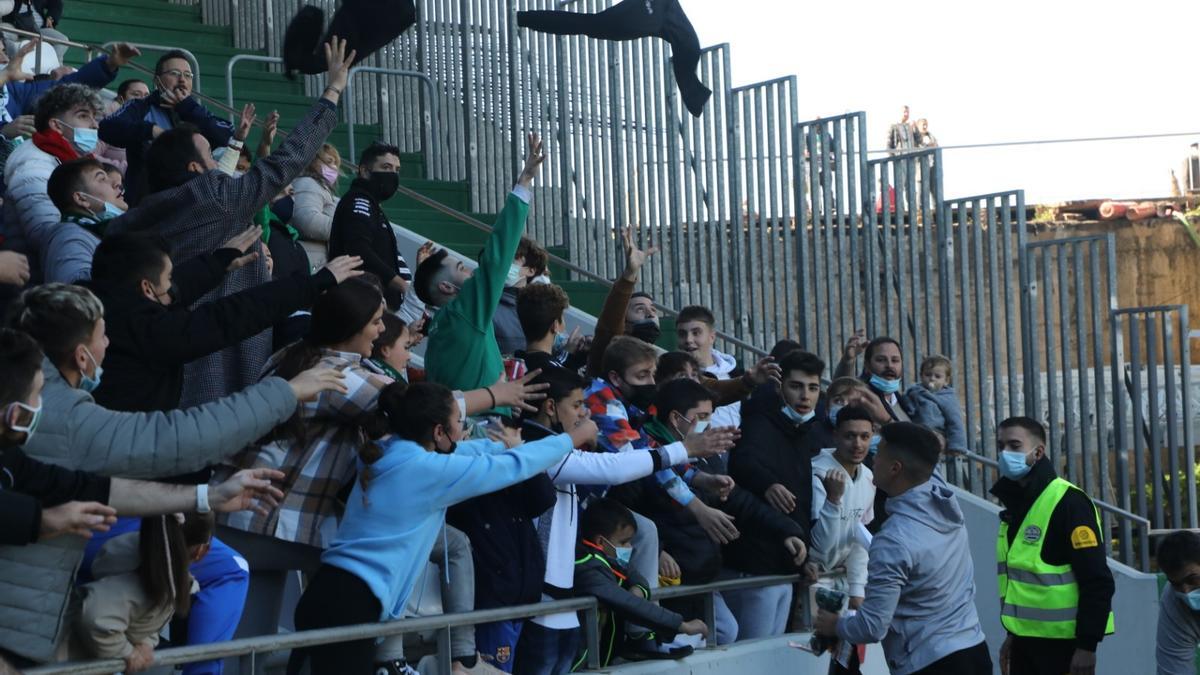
[
  {"x": 320, "y": 468},
  {"x": 203, "y": 213}
]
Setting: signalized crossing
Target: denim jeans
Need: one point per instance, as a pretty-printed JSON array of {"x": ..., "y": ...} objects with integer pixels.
[{"x": 546, "y": 651}]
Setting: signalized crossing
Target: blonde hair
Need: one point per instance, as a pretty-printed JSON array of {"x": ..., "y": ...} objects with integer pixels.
[
  {"x": 844, "y": 385},
  {"x": 935, "y": 361},
  {"x": 326, "y": 149}
]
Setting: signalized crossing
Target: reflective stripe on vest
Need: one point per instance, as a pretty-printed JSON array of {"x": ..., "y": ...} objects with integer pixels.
[{"x": 1037, "y": 599}]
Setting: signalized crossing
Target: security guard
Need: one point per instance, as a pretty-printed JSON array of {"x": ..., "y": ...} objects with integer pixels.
[{"x": 1055, "y": 586}]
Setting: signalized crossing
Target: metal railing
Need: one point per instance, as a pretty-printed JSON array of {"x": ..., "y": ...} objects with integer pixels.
[
  {"x": 441, "y": 624},
  {"x": 433, "y": 104},
  {"x": 229, "y": 106}
]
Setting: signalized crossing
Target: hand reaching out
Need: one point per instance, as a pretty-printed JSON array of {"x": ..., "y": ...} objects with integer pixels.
[
  {"x": 533, "y": 161},
  {"x": 245, "y": 122},
  {"x": 856, "y": 345},
  {"x": 509, "y": 436},
  {"x": 338, "y": 62},
  {"x": 763, "y": 372},
  {"x": 123, "y": 53},
  {"x": 78, "y": 518},
  {"x": 246, "y": 490},
  {"x": 424, "y": 252},
  {"x": 13, "y": 71},
  {"x": 713, "y": 441},
  {"x": 519, "y": 393},
  {"x": 344, "y": 267},
  {"x": 244, "y": 241},
  {"x": 310, "y": 383},
  {"x": 634, "y": 257}
]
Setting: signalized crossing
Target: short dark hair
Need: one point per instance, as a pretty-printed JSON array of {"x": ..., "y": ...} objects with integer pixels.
[
  {"x": 167, "y": 56},
  {"x": 853, "y": 413},
  {"x": 696, "y": 313},
  {"x": 393, "y": 328},
  {"x": 625, "y": 351},
  {"x": 603, "y": 517},
  {"x": 20, "y": 360},
  {"x": 376, "y": 150},
  {"x": 919, "y": 447},
  {"x": 805, "y": 362},
  {"x": 169, "y": 155},
  {"x": 1178, "y": 549},
  {"x": 879, "y": 342},
  {"x": 538, "y": 307},
  {"x": 783, "y": 348},
  {"x": 67, "y": 179},
  {"x": 536, "y": 257},
  {"x": 562, "y": 382},
  {"x": 641, "y": 294},
  {"x": 680, "y": 396},
  {"x": 426, "y": 276},
  {"x": 62, "y": 98},
  {"x": 123, "y": 260},
  {"x": 671, "y": 364},
  {"x": 123, "y": 88},
  {"x": 1034, "y": 427},
  {"x": 59, "y": 316}
]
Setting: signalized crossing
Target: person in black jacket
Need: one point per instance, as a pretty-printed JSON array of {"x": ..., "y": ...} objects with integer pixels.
[
  {"x": 682, "y": 406},
  {"x": 606, "y": 531},
  {"x": 153, "y": 327},
  {"x": 773, "y": 460},
  {"x": 39, "y": 501},
  {"x": 509, "y": 564},
  {"x": 541, "y": 310},
  {"x": 361, "y": 228}
]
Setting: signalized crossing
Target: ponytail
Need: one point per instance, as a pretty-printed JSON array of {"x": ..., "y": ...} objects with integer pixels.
[
  {"x": 410, "y": 411},
  {"x": 163, "y": 548}
]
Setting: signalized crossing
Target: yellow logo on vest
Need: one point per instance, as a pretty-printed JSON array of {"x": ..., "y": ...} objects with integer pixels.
[
  {"x": 1032, "y": 534},
  {"x": 1083, "y": 537}
]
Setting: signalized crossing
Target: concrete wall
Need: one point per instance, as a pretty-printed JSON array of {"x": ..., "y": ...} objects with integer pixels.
[
  {"x": 753, "y": 657},
  {"x": 1129, "y": 651}
]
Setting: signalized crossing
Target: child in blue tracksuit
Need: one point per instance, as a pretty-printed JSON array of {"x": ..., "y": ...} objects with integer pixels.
[
  {"x": 396, "y": 510},
  {"x": 936, "y": 403}
]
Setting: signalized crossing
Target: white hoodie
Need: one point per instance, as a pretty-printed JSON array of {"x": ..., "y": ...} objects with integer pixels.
[
  {"x": 726, "y": 415},
  {"x": 834, "y": 542}
]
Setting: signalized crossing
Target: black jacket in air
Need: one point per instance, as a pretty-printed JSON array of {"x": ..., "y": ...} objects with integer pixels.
[
  {"x": 1090, "y": 565},
  {"x": 27, "y": 486},
  {"x": 361, "y": 228}
]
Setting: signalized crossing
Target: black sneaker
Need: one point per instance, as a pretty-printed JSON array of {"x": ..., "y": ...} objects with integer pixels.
[{"x": 395, "y": 667}]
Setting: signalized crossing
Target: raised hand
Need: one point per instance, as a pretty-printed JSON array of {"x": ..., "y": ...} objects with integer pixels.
[
  {"x": 533, "y": 160},
  {"x": 424, "y": 252},
  {"x": 339, "y": 63},
  {"x": 763, "y": 372},
  {"x": 245, "y": 122},
  {"x": 123, "y": 53},
  {"x": 835, "y": 485},
  {"x": 634, "y": 256},
  {"x": 344, "y": 267},
  {"x": 13, "y": 71},
  {"x": 244, "y": 242},
  {"x": 250, "y": 489},
  {"x": 519, "y": 393},
  {"x": 269, "y": 128},
  {"x": 856, "y": 345}
]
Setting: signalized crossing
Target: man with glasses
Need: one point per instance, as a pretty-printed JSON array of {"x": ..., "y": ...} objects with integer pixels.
[{"x": 141, "y": 120}]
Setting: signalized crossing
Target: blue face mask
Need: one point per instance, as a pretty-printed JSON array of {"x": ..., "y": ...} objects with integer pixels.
[
  {"x": 1012, "y": 464},
  {"x": 885, "y": 385},
  {"x": 1192, "y": 598},
  {"x": 833, "y": 411},
  {"x": 623, "y": 554},
  {"x": 514, "y": 275},
  {"x": 795, "y": 417},
  {"x": 560, "y": 345},
  {"x": 84, "y": 139},
  {"x": 89, "y": 383},
  {"x": 110, "y": 210},
  {"x": 874, "y": 447}
]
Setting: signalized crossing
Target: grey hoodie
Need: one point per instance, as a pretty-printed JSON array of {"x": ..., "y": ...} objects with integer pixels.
[{"x": 921, "y": 590}]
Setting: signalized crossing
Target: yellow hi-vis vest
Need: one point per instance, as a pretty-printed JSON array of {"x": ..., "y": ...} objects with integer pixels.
[{"x": 1038, "y": 600}]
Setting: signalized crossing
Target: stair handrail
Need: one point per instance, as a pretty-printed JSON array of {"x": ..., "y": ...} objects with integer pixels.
[{"x": 420, "y": 77}]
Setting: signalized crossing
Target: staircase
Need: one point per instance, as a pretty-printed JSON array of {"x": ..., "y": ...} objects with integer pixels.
[{"x": 161, "y": 23}]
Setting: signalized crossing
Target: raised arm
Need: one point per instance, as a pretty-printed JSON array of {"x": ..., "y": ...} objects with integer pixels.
[{"x": 611, "y": 321}]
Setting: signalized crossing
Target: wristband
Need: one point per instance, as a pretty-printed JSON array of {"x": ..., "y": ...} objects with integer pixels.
[
  {"x": 202, "y": 499},
  {"x": 491, "y": 395},
  {"x": 333, "y": 89},
  {"x": 235, "y": 144}
]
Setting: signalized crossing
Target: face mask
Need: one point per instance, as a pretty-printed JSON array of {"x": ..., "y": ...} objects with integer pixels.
[
  {"x": 874, "y": 447},
  {"x": 700, "y": 426},
  {"x": 329, "y": 173},
  {"x": 83, "y": 139},
  {"x": 514, "y": 275},
  {"x": 885, "y": 385},
  {"x": 560, "y": 345},
  {"x": 646, "y": 330},
  {"x": 623, "y": 554},
  {"x": 642, "y": 396},
  {"x": 36, "y": 416},
  {"x": 110, "y": 210},
  {"x": 283, "y": 208},
  {"x": 384, "y": 184},
  {"x": 89, "y": 383},
  {"x": 1192, "y": 598},
  {"x": 1012, "y": 464},
  {"x": 833, "y": 413},
  {"x": 542, "y": 279},
  {"x": 795, "y": 417}
]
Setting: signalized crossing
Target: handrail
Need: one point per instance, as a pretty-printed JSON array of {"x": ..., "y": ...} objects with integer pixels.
[
  {"x": 163, "y": 48},
  {"x": 422, "y": 77},
  {"x": 233, "y": 114},
  {"x": 441, "y": 623}
]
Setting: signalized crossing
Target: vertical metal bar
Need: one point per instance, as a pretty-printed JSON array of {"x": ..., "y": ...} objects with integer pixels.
[
  {"x": 710, "y": 615},
  {"x": 979, "y": 211},
  {"x": 1068, "y": 449},
  {"x": 993, "y": 413},
  {"x": 1081, "y": 329},
  {"x": 1152, "y": 419},
  {"x": 1120, "y": 436},
  {"x": 443, "y": 655},
  {"x": 871, "y": 239},
  {"x": 1189, "y": 448},
  {"x": 1051, "y": 385},
  {"x": 1099, "y": 322},
  {"x": 1172, "y": 419},
  {"x": 967, "y": 228},
  {"x": 802, "y": 224},
  {"x": 1138, "y": 427},
  {"x": 591, "y": 633}
]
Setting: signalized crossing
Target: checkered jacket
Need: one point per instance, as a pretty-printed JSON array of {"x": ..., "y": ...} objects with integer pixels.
[
  {"x": 206, "y": 211},
  {"x": 319, "y": 468}
]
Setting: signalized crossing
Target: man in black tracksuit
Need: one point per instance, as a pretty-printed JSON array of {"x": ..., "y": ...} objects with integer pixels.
[
  {"x": 781, "y": 432},
  {"x": 361, "y": 228},
  {"x": 1053, "y": 550}
]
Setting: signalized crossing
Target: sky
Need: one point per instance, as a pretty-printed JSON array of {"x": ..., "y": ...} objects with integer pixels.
[{"x": 983, "y": 73}]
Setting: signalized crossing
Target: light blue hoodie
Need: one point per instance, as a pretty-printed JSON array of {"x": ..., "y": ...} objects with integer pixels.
[
  {"x": 385, "y": 539},
  {"x": 920, "y": 589}
]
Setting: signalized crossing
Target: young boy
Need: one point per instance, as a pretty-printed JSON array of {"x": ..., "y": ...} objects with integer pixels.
[
  {"x": 606, "y": 531},
  {"x": 696, "y": 333},
  {"x": 936, "y": 403}
]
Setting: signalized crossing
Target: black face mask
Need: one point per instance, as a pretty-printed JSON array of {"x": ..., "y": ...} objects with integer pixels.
[
  {"x": 383, "y": 184},
  {"x": 283, "y": 209},
  {"x": 646, "y": 330},
  {"x": 642, "y": 396}
]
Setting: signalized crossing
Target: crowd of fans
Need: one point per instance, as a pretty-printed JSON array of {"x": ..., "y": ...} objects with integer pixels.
[{"x": 183, "y": 310}]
